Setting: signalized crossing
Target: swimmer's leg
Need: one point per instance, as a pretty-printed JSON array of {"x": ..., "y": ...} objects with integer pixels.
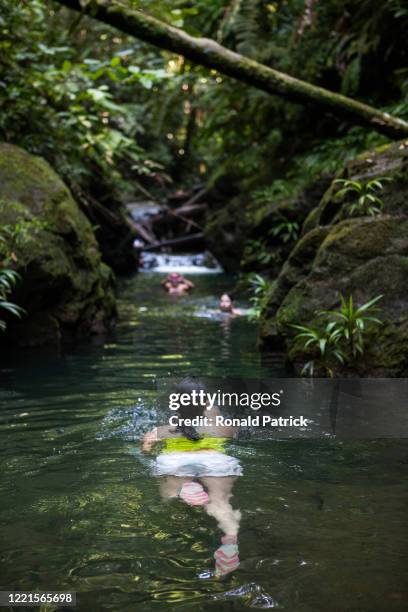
[
  {"x": 228, "y": 519},
  {"x": 192, "y": 493},
  {"x": 220, "y": 490},
  {"x": 170, "y": 485}
]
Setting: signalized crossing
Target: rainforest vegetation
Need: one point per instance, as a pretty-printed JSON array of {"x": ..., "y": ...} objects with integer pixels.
[
  {"x": 275, "y": 132},
  {"x": 204, "y": 200}
]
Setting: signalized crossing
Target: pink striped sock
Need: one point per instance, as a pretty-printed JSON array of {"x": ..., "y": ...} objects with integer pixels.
[{"x": 193, "y": 494}]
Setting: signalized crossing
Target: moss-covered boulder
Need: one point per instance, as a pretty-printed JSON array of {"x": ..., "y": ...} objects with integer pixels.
[
  {"x": 387, "y": 160},
  {"x": 362, "y": 256},
  {"x": 64, "y": 287},
  {"x": 295, "y": 269}
]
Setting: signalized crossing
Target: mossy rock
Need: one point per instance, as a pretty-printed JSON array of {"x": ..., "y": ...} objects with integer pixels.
[
  {"x": 363, "y": 257},
  {"x": 295, "y": 269},
  {"x": 388, "y": 160},
  {"x": 65, "y": 288}
]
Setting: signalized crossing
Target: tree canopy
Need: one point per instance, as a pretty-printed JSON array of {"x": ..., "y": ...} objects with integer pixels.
[
  {"x": 115, "y": 116},
  {"x": 212, "y": 55}
]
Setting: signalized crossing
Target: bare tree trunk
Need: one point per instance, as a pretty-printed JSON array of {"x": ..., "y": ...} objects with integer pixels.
[
  {"x": 209, "y": 53},
  {"x": 306, "y": 19}
]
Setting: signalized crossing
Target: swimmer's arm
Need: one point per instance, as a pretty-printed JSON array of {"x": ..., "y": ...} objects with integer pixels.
[
  {"x": 158, "y": 434},
  {"x": 149, "y": 439},
  {"x": 189, "y": 284}
]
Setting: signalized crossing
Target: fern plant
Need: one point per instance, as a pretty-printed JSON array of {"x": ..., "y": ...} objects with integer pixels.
[
  {"x": 325, "y": 342},
  {"x": 261, "y": 288},
  {"x": 364, "y": 202},
  {"x": 343, "y": 337},
  {"x": 287, "y": 231},
  {"x": 258, "y": 250},
  {"x": 8, "y": 279},
  {"x": 351, "y": 322},
  {"x": 12, "y": 235}
]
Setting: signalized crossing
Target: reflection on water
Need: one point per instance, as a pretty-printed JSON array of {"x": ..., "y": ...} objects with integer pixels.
[{"x": 323, "y": 521}]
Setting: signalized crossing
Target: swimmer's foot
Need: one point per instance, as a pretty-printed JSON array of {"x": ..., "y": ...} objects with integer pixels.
[
  {"x": 193, "y": 494},
  {"x": 226, "y": 556}
]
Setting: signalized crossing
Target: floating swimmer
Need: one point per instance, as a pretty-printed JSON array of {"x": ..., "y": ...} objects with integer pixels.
[
  {"x": 194, "y": 467},
  {"x": 227, "y": 305},
  {"x": 176, "y": 284}
]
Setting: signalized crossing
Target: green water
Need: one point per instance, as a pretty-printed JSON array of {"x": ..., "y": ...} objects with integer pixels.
[{"x": 323, "y": 522}]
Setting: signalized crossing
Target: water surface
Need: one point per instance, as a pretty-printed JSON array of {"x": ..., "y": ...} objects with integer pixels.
[{"x": 323, "y": 521}]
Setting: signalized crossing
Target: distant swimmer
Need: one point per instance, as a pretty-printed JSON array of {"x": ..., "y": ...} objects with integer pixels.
[
  {"x": 226, "y": 306},
  {"x": 176, "y": 284}
]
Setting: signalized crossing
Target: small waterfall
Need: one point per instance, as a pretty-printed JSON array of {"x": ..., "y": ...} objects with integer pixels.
[{"x": 197, "y": 263}]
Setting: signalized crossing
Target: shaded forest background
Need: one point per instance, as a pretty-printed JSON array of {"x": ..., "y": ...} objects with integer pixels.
[{"x": 120, "y": 120}]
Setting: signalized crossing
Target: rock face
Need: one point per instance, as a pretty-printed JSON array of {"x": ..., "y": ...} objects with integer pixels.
[
  {"x": 361, "y": 256},
  {"x": 240, "y": 233},
  {"x": 225, "y": 233},
  {"x": 263, "y": 221},
  {"x": 65, "y": 288}
]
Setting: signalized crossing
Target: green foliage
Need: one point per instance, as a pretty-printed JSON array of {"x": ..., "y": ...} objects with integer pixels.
[
  {"x": 112, "y": 114},
  {"x": 357, "y": 48},
  {"x": 325, "y": 341},
  {"x": 286, "y": 230},
  {"x": 279, "y": 190},
  {"x": 11, "y": 235},
  {"x": 367, "y": 202},
  {"x": 399, "y": 8},
  {"x": 260, "y": 288},
  {"x": 257, "y": 250},
  {"x": 8, "y": 279},
  {"x": 322, "y": 159},
  {"x": 63, "y": 102},
  {"x": 343, "y": 337},
  {"x": 353, "y": 322},
  {"x": 105, "y": 108}
]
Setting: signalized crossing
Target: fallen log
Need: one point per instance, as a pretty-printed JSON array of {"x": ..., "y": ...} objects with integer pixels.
[
  {"x": 125, "y": 17},
  {"x": 195, "y": 197},
  {"x": 173, "y": 242},
  {"x": 190, "y": 210},
  {"x": 142, "y": 232},
  {"x": 188, "y": 222}
]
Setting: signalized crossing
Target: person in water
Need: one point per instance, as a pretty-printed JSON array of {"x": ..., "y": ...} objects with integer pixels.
[
  {"x": 176, "y": 284},
  {"x": 226, "y": 305},
  {"x": 194, "y": 467}
]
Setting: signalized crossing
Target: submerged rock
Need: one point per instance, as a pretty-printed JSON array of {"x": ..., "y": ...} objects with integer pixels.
[
  {"x": 361, "y": 256},
  {"x": 65, "y": 288}
]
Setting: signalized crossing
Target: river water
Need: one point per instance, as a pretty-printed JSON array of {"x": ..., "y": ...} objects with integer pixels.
[{"x": 323, "y": 521}]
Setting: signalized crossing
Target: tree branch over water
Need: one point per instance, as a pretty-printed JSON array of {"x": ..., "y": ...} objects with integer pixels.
[{"x": 212, "y": 55}]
